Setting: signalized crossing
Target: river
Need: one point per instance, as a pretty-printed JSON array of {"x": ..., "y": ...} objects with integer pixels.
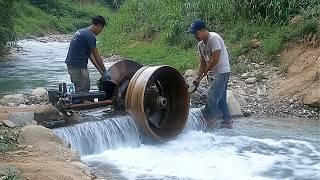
[{"x": 268, "y": 148}]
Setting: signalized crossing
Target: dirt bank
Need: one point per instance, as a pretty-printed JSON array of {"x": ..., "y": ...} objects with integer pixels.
[
  {"x": 302, "y": 78},
  {"x": 42, "y": 155}
]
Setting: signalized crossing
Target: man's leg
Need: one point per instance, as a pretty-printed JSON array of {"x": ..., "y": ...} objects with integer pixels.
[
  {"x": 223, "y": 106},
  {"x": 75, "y": 77},
  {"x": 80, "y": 78},
  {"x": 211, "y": 109},
  {"x": 85, "y": 81}
]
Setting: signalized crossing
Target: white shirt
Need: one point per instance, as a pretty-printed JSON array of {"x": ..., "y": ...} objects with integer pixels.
[{"x": 214, "y": 43}]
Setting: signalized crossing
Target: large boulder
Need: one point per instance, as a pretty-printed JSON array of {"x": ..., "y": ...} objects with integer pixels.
[
  {"x": 33, "y": 134},
  {"x": 233, "y": 104},
  {"x": 22, "y": 118},
  {"x": 13, "y": 100},
  {"x": 240, "y": 98},
  {"x": 39, "y": 95},
  {"x": 313, "y": 99}
]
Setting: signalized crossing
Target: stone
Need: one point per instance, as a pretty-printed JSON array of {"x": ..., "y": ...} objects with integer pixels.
[
  {"x": 233, "y": 104},
  {"x": 255, "y": 44},
  {"x": 8, "y": 123},
  {"x": 32, "y": 134},
  {"x": 84, "y": 168},
  {"x": 251, "y": 80},
  {"x": 13, "y": 100},
  {"x": 195, "y": 97},
  {"x": 22, "y": 118},
  {"x": 33, "y": 122},
  {"x": 312, "y": 99},
  {"x": 245, "y": 75},
  {"x": 291, "y": 101},
  {"x": 38, "y": 95},
  {"x": 247, "y": 113},
  {"x": 39, "y": 92},
  {"x": 23, "y": 105},
  {"x": 190, "y": 73},
  {"x": 241, "y": 99}
]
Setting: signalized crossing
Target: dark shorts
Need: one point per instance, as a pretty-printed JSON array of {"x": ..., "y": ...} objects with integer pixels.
[{"x": 80, "y": 78}]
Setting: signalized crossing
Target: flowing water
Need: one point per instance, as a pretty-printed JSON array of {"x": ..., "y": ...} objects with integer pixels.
[
  {"x": 37, "y": 64},
  {"x": 255, "y": 149}
]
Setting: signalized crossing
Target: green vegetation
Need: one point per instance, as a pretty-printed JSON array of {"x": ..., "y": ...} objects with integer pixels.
[
  {"x": 8, "y": 139},
  {"x": 6, "y": 25},
  {"x": 154, "y": 31},
  {"x": 38, "y": 17},
  {"x": 26, "y": 18}
]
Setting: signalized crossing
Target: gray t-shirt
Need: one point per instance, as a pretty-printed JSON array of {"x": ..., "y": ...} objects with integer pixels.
[
  {"x": 215, "y": 42},
  {"x": 83, "y": 41}
]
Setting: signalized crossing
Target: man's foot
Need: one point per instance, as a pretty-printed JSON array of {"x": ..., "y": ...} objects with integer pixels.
[{"x": 227, "y": 124}]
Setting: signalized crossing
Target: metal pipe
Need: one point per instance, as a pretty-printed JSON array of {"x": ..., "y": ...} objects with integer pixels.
[{"x": 90, "y": 105}]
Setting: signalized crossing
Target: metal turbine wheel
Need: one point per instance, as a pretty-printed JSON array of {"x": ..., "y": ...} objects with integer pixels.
[
  {"x": 158, "y": 100},
  {"x": 117, "y": 80}
]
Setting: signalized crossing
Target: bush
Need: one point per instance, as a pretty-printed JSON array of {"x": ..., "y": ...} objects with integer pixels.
[{"x": 6, "y": 25}]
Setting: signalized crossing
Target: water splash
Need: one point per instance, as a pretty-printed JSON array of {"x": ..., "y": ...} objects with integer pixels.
[
  {"x": 95, "y": 137},
  {"x": 195, "y": 121}
]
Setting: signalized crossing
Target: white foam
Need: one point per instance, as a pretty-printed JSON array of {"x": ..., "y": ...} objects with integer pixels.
[{"x": 199, "y": 155}]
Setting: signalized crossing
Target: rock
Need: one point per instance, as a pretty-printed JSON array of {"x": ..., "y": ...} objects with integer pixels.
[
  {"x": 84, "y": 168},
  {"x": 241, "y": 99},
  {"x": 39, "y": 92},
  {"x": 245, "y": 75},
  {"x": 33, "y": 122},
  {"x": 190, "y": 73},
  {"x": 1, "y": 123},
  {"x": 38, "y": 95},
  {"x": 247, "y": 113},
  {"x": 312, "y": 99},
  {"x": 32, "y": 134},
  {"x": 195, "y": 97},
  {"x": 8, "y": 123},
  {"x": 251, "y": 80},
  {"x": 13, "y": 100},
  {"x": 256, "y": 66},
  {"x": 291, "y": 101},
  {"x": 23, "y": 105},
  {"x": 255, "y": 44},
  {"x": 233, "y": 104},
  {"x": 22, "y": 118}
]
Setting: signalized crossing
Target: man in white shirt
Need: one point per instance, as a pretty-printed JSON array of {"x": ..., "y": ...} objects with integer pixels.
[{"x": 214, "y": 63}]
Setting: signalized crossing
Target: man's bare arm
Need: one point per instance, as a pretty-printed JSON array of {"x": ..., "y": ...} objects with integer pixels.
[
  {"x": 214, "y": 61},
  {"x": 94, "y": 62},
  {"x": 98, "y": 59},
  {"x": 202, "y": 67}
]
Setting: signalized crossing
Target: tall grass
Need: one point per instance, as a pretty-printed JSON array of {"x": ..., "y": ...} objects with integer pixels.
[
  {"x": 38, "y": 17},
  {"x": 154, "y": 31},
  {"x": 6, "y": 25}
]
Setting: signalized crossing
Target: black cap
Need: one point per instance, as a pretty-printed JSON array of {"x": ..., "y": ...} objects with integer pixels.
[
  {"x": 99, "y": 20},
  {"x": 196, "y": 26}
]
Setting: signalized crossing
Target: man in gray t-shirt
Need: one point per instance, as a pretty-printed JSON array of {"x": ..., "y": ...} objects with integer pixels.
[
  {"x": 214, "y": 63},
  {"x": 82, "y": 47}
]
